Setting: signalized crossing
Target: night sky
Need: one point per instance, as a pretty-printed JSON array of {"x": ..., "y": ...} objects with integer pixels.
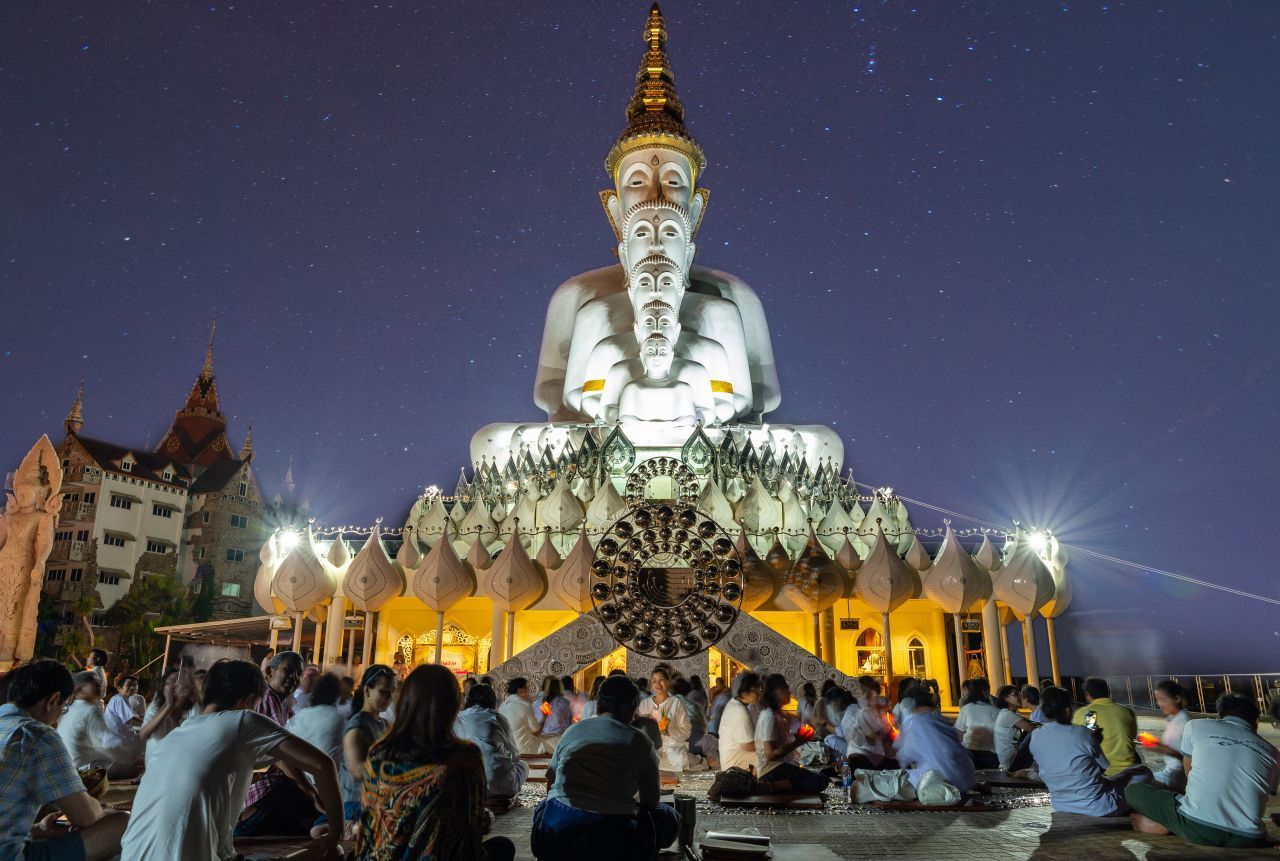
[{"x": 1023, "y": 256}]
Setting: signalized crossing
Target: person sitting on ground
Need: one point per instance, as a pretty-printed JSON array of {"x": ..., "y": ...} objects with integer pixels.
[
  {"x": 97, "y": 664},
  {"x": 720, "y": 696},
  {"x": 928, "y": 742},
  {"x": 1171, "y": 699},
  {"x": 424, "y": 788},
  {"x": 36, "y": 771},
  {"x": 1031, "y": 700},
  {"x": 737, "y": 743},
  {"x": 810, "y": 709},
  {"x": 1117, "y": 723},
  {"x": 558, "y": 712},
  {"x": 698, "y": 694},
  {"x": 480, "y": 724},
  {"x": 1011, "y": 730},
  {"x": 589, "y": 707},
  {"x": 123, "y": 721},
  {"x": 569, "y": 690},
  {"x": 673, "y": 723},
  {"x": 977, "y": 721},
  {"x": 321, "y": 725},
  {"x": 681, "y": 688},
  {"x": 365, "y": 726},
  {"x": 603, "y": 799},
  {"x": 187, "y": 802},
  {"x": 175, "y": 698},
  {"x": 1231, "y": 771},
  {"x": 525, "y": 721},
  {"x": 776, "y": 746},
  {"x": 867, "y": 736},
  {"x": 88, "y": 739},
  {"x": 1071, "y": 763},
  {"x": 905, "y": 704},
  {"x": 843, "y": 703},
  {"x": 280, "y": 801},
  {"x": 302, "y": 694}
]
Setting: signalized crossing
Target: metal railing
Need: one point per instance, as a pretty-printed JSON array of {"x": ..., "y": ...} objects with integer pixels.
[{"x": 1139, "y": 692}]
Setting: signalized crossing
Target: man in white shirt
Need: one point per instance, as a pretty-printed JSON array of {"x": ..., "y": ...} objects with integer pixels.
[
  {"x": 302, "y": 696},
  {"x": 1234, "y": 772},
  {"x": 88, "y": 739},
  {"x": 737, "y": 728},
  {"x": 188, "y": 801},
  {"x": 928, "y": 742},
  {"x": 525, "y": 723}
]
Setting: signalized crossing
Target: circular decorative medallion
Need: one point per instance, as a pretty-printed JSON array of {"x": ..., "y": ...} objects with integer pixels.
[
  {"x": 684, "y": 480},
  {"x": 666, "y": 579}
]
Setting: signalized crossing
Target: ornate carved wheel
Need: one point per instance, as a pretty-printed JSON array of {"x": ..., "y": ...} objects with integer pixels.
[
  {"x": 685, "y": 481},
  {"x": 667, "y": 579}
]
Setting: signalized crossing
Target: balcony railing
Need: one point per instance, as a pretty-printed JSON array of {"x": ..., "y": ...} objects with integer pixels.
[{"x": 1139, "y": 692}]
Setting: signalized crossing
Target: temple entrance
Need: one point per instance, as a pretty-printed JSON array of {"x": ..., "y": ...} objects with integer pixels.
[
  {"x": 460, "y": 651},
  {"x": 869, "y": 654}
]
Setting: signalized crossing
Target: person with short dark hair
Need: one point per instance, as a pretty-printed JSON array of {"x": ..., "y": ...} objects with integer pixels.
[
  {"x": 603, "y": 797},
  {"x": 1011, "y": 729},
  {"x": 122, "y": 719},
  {"x": 928, "y": 742},
  {"x": 1117, "y": 724},
  {"x": 321, "y": 725},
  {"x": 589, "y": 707},
  {"x": 1071, "y": 763},
  {"x": 187, "y": 801},
  {"x": 480, "y": 724},
  {"x": 977, "y": 722},
  {"x": 1031, "y": 699},
  {"x": 424, "y": 788},
  {"x": 697, "y": 693},
  {"x": 867, "y": 736},
  {"x": 97, "y": 664},
  {"x": 36, "y": 770},
  {"x": 280, "y": 801},
  {"x": 524, "y": 720},
  {"x": 556, "y": 710},
  {"x": 1231, "y": 771},
  {"x": 776, "y": 762},
  {"x": 574, "y": 696},
  {"x": 89, "y": 740},
  {"x": 1171, "y": 700}
]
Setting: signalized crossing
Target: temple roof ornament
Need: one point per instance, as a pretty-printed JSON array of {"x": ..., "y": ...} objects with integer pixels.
[
  {"x": 1062, "y": 591},
  {"x": 75, "y": 416},
  {"x": 514, "y": 583},
  {"x": 655, "y": 116},
  {"x": 606, "y": 507},
  {"x": 835, "y": 525},
  {"x": 884, "y": 581},
  {"x": 955, "y": 582},
  {"x": 478, "y": 556},
  {"x": 794, "y": 517},
  {"x": 815, "y": 582},
  {"x": 547, "y": 556},
  {"x": 571, "y": 582},
  {"x": 526, "y": 509},
  {"x": 442, "y": 580},
  {"x": 713, "y": 502},
  {"x": 262, "y": 592},
  {"x": 408, "y": 557},
  {"x": 917, "y": 557},
  {"x": 430, "y": 524},
  {"x": 1023, "y": 583},
  {"x": 301, "y": 581},
  {"x": 847, "y": 558},
  {"x": 777, "y": 557},
  {"x": 338, "y": 561},
  {"x": 987, "y": 556},
  {"x": 760, "y": 582},
  {"x": 758, "y": 511},
  {"x": 373, "y": 580},
  {"x": 478, "y": 522},
  {"x": 561, "y": 510},
  {"x": 246, "y": 450}
]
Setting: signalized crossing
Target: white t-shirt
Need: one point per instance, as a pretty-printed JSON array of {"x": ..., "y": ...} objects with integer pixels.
[
  {"x": 321, "y": 726},
  {"x": 868, "y": 721},
  {"x": 736, "y": 729},
  {"x": 118, "y": 714},
  {"x": 978, "y": 723},
  {"x": 524, "y": 726},
  {"x": 1006, "y": 747},
  {"x": 770, "y": 728},
  {"x": 85, "y": 733},
  {"x": 1172, "y": 775},
  {"x": 189, "y": 799},
  {"x": 1233, "y": 771}
]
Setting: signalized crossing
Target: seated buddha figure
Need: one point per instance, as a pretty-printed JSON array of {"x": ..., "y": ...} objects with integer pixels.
[{"x": 657, "y": 393}]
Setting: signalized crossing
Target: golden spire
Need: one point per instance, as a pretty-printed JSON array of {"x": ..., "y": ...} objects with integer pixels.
[
  {"x": 75, "y": 417},
  {"x": 655, "y": 116},
  {"x": 207, "y": 370},
  {"x": 246, "y": 451}
]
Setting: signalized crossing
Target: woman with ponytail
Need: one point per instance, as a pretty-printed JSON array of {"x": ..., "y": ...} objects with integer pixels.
[{"x": 363, "y": 728}]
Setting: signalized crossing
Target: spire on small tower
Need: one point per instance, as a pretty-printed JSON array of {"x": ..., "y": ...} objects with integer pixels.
[
  {"x": 207, "y": 370},
  {"x": 75, "y": 417},
  {"x": 289, "y": 486},
  {"x": 246, "y": 450}
]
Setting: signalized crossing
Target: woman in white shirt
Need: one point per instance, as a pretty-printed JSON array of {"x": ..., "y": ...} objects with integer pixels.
[
  {"x": 589, "y": 707},
  {"x": 776, "y": 762},
  {"x": 175, "y": 698},
  {"x": 1170, "y": 697},
  {"x": 321, "y": 725},
  {"x": 977, "y": 721},
  {"x": 867, "y": 735},
  {"x": 737, "y": 729},
  {"x": 842, "y": 703},
  {"x": 673, "y": 724},
  {"x": 85, "y": 733},
  {"x": 1011, "y": 747}
]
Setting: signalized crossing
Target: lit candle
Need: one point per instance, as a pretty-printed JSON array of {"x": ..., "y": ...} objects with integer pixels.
[
  {"x": 1148, "y": 739},
  {"x": 546, "y": 709},
  {"x": 805, "y": 732}
]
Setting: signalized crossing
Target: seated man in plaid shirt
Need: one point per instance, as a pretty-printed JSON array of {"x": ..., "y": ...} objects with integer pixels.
[
  {"x": 280, "y": 801},
  {"x": 36, "y": 770}
]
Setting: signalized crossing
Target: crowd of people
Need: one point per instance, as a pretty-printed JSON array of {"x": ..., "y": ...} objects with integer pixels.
[{"x": 412, "y": 768}]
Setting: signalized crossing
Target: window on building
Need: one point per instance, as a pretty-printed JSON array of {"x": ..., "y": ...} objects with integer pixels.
[
  {"x": 199, "y": 552},
  {"x": 109, "y": 579},
  {"x": 154, "y": 546},
  {"x": 72, "y": 498},
  {"x": 112, "y": 539},
  {"x": 206, "y": 517},
  {"x": 161, "y": 510},
  {"x": 62, "y": 536},
  {"x": 915, "y": 658},
  {"x": 168, "y": 476},
  {"x": 239, "y": 521},
  {"x": 77, "y": 574},
  {"x": 82, "y": 535},
  {"x": 234, "y": 555},
  {"x": 118, "y": 501},
  {"x": 244, "y": 488},
  {"x": 90, "y": 498},
  {"x": 126, "y": 465},
  {"x": 98, "y": 620},
  {"x": 56, "y": 574},
  {"x": 231, "y": 590}
]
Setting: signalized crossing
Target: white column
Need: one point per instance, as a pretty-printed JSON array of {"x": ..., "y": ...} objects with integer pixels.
[
  {"x": 1029, "y": 647},
  {"x": 997, "y": 667},
  {"x": 439, "y": 635},
  {"x": 1053, "y": 653},
  {"x": 888, "y": 655}
]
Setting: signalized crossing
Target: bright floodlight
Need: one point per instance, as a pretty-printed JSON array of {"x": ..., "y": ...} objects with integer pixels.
[
  {"x": 432, "y": 490},
  {"x": 289, "y": 540},
  {"x": 1039, "y": 543}
]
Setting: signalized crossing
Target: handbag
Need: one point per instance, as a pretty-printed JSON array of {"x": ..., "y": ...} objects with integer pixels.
[{"x": 889, "y": 785}]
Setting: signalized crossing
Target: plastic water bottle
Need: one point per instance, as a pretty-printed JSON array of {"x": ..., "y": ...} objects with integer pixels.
[{"x": 846, "y": 780}]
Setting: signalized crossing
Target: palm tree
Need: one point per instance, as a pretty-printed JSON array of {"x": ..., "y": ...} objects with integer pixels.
[{"x": 84, "y": 607}]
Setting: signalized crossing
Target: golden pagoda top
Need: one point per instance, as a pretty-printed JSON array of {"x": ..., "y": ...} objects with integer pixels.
[{"x": 655, "y": 116}]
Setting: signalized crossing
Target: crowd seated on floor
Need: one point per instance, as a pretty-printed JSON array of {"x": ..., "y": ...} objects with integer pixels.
[{"x": 410, "y": 769}]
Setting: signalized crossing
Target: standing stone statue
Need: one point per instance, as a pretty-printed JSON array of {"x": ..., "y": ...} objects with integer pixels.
[{"x": 26, "y": 537}]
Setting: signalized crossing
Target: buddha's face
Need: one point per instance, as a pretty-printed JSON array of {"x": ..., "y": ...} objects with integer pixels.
[
  {"x": 661, "y": 320},
  {"x": 656, "y": 354},
  {"x": 656, "y": 279},
  {"x": 654, "y": 174},
  {"x": 656, "y": 231}
]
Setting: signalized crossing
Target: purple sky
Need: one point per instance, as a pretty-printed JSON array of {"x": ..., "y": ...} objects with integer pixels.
[{"x": 1022, "y": 256}]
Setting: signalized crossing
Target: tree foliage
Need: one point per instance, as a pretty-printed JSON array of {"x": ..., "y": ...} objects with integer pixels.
[
  {"x": 202, "y": 610},
  {"x": 155, "y": 600}
]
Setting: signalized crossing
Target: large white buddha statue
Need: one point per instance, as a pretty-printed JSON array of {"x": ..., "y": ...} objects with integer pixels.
[{"x": 592, "y": 366}]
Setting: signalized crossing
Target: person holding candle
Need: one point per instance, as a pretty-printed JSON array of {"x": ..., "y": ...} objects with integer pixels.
[
  {"x": 557, "y": 712},
  {"x": 1170, "y": 698},
  {"x": 673, "y": 723},
  {"x": 776, "y": 762},
  {"x": 525, "y": 722},
  {"x": 869, "y": 735}
]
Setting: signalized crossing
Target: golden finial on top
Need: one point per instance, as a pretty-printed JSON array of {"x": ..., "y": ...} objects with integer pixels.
[
  {"x": 75, "y": 417},
  {"x": 207, "y": 370}
]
